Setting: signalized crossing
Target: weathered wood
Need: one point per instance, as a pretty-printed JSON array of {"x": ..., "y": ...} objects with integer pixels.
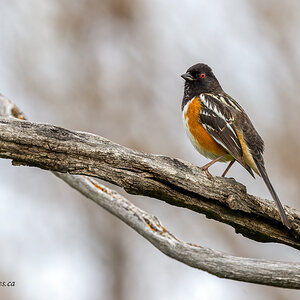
[
  {"x": 172, "y": 180},
  {"x": 274, "y": 273}
]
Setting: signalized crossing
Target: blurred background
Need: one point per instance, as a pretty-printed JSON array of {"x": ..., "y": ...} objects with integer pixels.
[{"x": 112, "y": 67}]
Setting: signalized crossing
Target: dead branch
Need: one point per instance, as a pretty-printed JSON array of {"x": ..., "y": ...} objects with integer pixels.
[
  {"x": 172, "y": 180},
  {"x": 281, "y": 274}
]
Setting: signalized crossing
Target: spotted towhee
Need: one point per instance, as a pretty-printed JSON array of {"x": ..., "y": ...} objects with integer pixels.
[{"x": 219, "y": 128}]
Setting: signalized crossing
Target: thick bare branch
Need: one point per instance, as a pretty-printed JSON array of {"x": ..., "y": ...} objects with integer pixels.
[
  {"x": 169, "y": 179},
  {"x": 223, "y": 265}
]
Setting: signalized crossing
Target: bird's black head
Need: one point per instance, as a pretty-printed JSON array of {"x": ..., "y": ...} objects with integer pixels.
[{"x": 199, "y": 79}]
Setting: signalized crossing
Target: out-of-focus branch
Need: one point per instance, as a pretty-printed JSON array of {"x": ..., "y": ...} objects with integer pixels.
[
  {"x": 225, "y": 266},
  {"x": 222, "y": 265},
  {"x": 171, "y": 180}
]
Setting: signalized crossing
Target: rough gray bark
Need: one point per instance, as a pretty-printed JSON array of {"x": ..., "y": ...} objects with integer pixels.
[
  {"x": 274, "y": 273},
  {"x": 41, "y": 145},
  {"x": 172, "y": 180}
]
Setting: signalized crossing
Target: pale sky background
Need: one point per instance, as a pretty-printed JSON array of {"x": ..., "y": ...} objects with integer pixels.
[{"x": 113, "y": 68}]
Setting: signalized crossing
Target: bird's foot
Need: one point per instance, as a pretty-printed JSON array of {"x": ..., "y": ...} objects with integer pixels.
[{"x": 205, "y": 169}]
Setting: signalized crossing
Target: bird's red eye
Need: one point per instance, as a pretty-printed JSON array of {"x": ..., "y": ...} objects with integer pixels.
[{"x": 202, "y": 75}]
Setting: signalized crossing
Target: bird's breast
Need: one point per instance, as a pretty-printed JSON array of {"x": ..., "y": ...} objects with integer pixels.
[{"x": 200, "y": 138}]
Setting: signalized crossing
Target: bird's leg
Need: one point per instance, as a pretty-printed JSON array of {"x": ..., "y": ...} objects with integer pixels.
[
  {"x": 205, "y": 167},
  {"x": 228, "y": 167}
]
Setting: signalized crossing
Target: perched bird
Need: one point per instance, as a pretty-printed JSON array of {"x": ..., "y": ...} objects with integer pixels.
[{"x": 220, "y": 129}]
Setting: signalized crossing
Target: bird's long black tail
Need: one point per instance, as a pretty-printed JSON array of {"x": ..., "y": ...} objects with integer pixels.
[{"x": 262, "y": 170}]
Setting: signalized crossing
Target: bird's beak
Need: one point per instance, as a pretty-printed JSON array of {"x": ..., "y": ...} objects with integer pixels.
[{"x": 187, "y": 77}]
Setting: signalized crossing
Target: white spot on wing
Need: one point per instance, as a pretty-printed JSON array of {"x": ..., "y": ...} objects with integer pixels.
[
  {"x": 228, "y": 101},
  {"x": 210, "y": 105},
  {"x": 231, "y": 129},
  {"x": 235, "y": 141}
]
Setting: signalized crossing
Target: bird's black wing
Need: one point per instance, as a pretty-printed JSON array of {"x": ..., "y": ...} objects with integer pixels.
[{"x": 217, "y": 118}]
